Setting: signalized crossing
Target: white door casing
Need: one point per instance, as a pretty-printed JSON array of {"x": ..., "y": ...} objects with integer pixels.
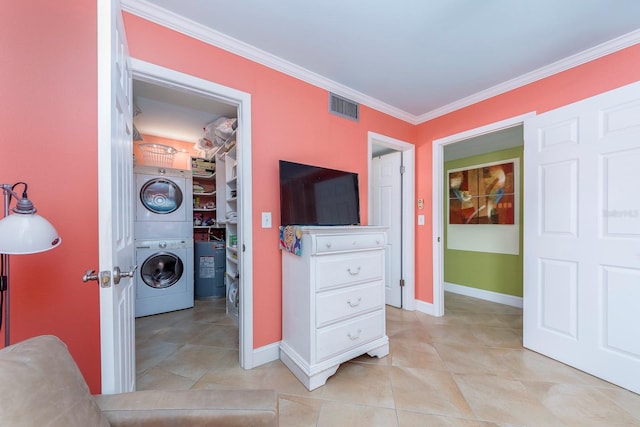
[
  {"x": 582, "y": 234},
  {"x": 408, "y": 209},
  {"x": 386, "y": 198},
  {"x": 115, "y": 201}
]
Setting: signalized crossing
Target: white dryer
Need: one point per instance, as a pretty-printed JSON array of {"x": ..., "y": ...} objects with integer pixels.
[
  {"x": 164, "y": 203},
  {"x": 164, "y": 279}
]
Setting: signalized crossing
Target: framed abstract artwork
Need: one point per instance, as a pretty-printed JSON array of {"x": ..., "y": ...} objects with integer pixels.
[{"x": 483, "y": 194}]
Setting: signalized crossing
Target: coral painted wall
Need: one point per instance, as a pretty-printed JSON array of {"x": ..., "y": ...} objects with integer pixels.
[
  {"x": 48, "y": 122},
  {"x": 592, "y": 78},
  {"x": 289, "y": 121}
]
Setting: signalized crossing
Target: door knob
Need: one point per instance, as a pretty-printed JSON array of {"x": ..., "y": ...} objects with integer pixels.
[{"x": 117, "y": 274}]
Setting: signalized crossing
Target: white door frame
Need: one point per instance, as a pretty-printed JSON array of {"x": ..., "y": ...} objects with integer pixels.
[
  {"x": 437, "y": 199},
  {"x": 161, "y": 76},
  {"x": 408, "y": 212}
]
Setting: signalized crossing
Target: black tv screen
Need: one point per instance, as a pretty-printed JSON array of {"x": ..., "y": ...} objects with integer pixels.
[{"x": 313, "y": 195}]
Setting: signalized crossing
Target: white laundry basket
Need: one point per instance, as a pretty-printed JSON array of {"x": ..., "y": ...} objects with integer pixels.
[{"x": 158, "y": 154}]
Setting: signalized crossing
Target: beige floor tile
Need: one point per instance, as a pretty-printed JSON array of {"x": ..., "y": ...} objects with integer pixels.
[
  {"x": 453, "y": 334},
  {"x": 528, "y": 365},
  {"x": 216, "y": 335},
  {"x": 501, "y": 400},
  {"x": 160, "y": 379},
  {"x": 334, "y": 414},
  {"x": 362, "y": 384},
  {"x": 581, "y": 405},
  {"x": 193, "y": 361},
  {"x": 466, "y": 368},
  {"x": 153, "y": 352},
  {"x": 415, "y": 354},
  {"x": 472, "y": 359},
  {"x": 491, "y": 336},
  {"x": 625, "y": 399},
  {"x": 296, "y": 411},
  {"x": 428, "y": 391}
]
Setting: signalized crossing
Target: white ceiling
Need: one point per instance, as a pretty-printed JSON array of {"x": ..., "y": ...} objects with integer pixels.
[
  {"x": 174, "y": 114},
  {"x": 417, "y": 58}
]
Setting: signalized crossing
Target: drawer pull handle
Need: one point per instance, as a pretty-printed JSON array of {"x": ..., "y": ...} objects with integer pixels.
[
  {"x": 353, "y": 272},
  {"x": 354, "y": 304},
  {"x": 355, "y": 336}
]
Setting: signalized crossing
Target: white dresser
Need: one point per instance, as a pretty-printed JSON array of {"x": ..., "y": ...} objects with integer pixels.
[{"x": 333, "y": 301}]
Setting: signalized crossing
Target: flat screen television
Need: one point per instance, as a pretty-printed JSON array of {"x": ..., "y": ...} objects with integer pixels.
[{"x": 313, "y": 195}]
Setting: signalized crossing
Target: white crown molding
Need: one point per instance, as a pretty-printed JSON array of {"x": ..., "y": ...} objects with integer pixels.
[
  {"x": 153, "y": 13},
  {"x": 583, "y": 57}
]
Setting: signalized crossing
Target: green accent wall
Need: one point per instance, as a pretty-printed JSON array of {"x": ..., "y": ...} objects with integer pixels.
[{"x": 493, "y": 272}]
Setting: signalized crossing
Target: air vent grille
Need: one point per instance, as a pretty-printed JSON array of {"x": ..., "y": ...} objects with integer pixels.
[{"x": 344, "y": 107}]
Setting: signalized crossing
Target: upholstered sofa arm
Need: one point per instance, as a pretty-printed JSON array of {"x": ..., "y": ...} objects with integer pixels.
[{"x": 160, "y": 408}]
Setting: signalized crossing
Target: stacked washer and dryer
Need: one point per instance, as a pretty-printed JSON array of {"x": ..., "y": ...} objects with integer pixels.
[{"x": 163, "y": 239}]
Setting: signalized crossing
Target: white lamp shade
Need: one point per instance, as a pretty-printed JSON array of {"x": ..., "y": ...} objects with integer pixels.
[{"x": 27, "y": 234}]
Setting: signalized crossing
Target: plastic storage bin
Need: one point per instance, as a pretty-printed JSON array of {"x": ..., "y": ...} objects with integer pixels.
[{"x": 209, "y": 269}]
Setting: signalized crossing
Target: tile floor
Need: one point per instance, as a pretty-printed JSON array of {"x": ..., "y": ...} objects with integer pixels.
[{"x": 467, "y": 368}]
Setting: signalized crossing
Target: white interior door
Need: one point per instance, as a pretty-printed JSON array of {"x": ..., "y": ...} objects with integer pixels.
[
  {"x": 387, "y": 211},
  {"x": 115, "y": 199},
  {"x": 582, "y": 234}
]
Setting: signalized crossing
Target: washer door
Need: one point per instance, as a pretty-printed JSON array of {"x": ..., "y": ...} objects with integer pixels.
[
  {"x": 162, "y": 270},
  {"x": 161, "y": 196}
]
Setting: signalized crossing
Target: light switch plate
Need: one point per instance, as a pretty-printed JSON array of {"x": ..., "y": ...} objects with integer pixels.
[
  {"x": 266, "y": 219},
  {"x": 420, "y": 219}
]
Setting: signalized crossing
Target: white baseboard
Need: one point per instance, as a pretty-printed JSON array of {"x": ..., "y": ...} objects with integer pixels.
[
  {"x": 483, "y": 294},
  {"x": 424, "y": 307},
  {"x": 266, "y": 354}
]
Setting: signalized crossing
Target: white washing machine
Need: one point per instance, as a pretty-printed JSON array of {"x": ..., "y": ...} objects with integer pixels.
[
  {"x": 164, "y": 203},
  {"x": 164, "y": 279}
]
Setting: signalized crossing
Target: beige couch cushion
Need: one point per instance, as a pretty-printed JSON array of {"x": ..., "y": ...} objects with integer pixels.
[{"x": 40, "y": 385}]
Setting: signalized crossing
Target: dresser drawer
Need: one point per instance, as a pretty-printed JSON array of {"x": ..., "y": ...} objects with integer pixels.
[
  {"x": 351, "y": 242},
  {"x": 343, "y": 269},
  {"x": 347, "y": 302},
  {"x": 346, "y": 335}
]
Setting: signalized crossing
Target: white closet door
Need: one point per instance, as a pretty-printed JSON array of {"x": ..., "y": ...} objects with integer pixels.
[{"x": 387, "y": 211}]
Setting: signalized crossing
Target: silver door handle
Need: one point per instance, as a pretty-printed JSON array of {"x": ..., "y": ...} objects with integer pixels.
[
  {"x": 90, "y": 275},
  {"x": 117, "y": 274},
  {"x": 104, "y": 278}
]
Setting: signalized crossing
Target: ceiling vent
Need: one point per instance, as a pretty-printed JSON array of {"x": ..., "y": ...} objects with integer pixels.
[{"x": 344, "y": 107}]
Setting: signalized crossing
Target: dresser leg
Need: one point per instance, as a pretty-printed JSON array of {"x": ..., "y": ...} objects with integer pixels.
[{"x": 379, "y": 352}]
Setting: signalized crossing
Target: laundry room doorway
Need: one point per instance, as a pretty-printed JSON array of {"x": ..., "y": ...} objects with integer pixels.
[{"x": 186, "y": 94}]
